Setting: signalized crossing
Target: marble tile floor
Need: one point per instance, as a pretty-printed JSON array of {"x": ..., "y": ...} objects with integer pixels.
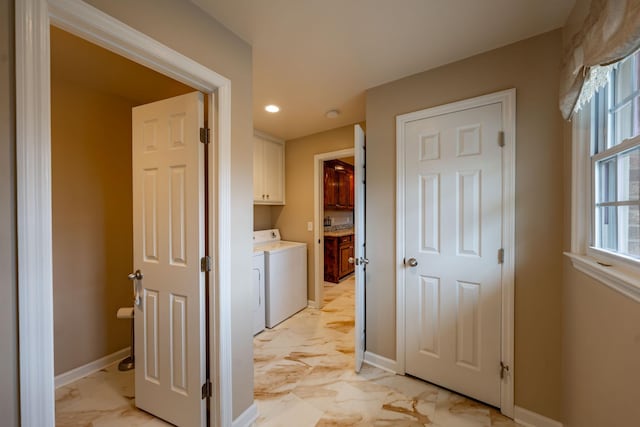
[
  {"x": 303, "y": 377},
  {"x": 102, "y": 399}
]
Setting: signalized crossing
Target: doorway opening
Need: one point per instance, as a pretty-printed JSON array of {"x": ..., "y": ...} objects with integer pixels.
[
  {"x": 338, "y": 221},
  {"x": 33, "y": 136},
  {"x": 93, "y": 92},
  {"x": 332, "y": 173}
]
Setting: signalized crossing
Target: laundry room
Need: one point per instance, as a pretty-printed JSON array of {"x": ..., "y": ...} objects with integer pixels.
[{"x": 285, "y": 198}]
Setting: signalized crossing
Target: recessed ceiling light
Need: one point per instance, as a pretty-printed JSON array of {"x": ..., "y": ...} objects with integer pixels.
[
  {"x": 332, "y": 114},
  {"x": 272, "y": 108}
]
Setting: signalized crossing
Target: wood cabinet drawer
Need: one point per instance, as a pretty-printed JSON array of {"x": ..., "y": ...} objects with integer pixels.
[{"x": 345, "y": 239}]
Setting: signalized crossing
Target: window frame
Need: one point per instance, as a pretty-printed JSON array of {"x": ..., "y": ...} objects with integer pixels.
[{"x": 589, "y": 127}]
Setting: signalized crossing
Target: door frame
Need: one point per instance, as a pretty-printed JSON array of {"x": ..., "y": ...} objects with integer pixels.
[
  {"x": 508, "y": 100},
  {"x": 33, "y": 182},
  {"x": 318, "y": 224}
]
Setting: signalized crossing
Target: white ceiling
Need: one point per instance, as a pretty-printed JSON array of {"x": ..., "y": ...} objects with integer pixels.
[{"x": 310, "y": 56}]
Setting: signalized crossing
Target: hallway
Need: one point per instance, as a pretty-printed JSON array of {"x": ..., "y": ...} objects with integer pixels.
[{"x": 304, "y": 377}]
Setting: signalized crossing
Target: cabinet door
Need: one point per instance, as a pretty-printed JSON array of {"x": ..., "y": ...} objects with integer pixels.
[
  {"x": 331, "y": 259},
  {"x": 329, "y": 187},
  {"x": 346, "y": 251},
  {"x": 343, "y": 189},
  {"x": 258, "y": 170},
  {"x": 273, "y": 157}
]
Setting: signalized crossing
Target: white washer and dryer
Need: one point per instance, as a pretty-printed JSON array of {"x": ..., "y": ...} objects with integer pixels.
[
  {"x": 257, "y": 283},
  {"x": 285, "y": 274}
]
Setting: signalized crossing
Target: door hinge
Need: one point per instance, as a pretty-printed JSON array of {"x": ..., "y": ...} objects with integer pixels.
[
  {"x": 207, "y": 389},
  {"x": 501, "y": 256},
  {"x": 504, "y": 369},
  {"x": 205, "y": 263},
  {"x": 501, "y": 138},
  {"x": 205, "y": 135}
]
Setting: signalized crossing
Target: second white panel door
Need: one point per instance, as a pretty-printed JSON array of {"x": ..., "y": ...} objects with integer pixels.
[{"x": 453, "y": 223}]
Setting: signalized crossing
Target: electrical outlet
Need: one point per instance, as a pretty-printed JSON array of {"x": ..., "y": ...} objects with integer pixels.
[{"x": 310, "y": 226}]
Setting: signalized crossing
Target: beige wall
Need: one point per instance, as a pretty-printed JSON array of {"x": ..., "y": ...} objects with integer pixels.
[
  {"x": 601, "y": 350},
  {"x": 262, "y": 217},
  {"x": 185, "y": 28},
  {"x": 292, "y": 218},
  {"x": 532, "y": 67},
  {"x": 8, "y": 290},
  {"x": 92, "y": 222}
]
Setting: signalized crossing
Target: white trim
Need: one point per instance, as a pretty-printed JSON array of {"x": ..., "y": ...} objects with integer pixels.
[
  {"x": 33, "y": 165},
  {"x": 532, "y": 419},
  {"x": 33, "y": 180},
  {"x": 312, "y": 304},
  {"x": 247, "y": 418},
  {"x": 318, "y": 224},
  {"x": 91, "y": 367},
  {"x": 508, "y": 100},
  {"x": 380, "y": 362},
  {"x": 616, "y": 279},
  {"x": 580, "y": 184}
]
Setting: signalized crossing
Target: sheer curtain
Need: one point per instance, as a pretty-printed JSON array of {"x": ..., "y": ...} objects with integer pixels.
[{"x": 599, "y": 33}]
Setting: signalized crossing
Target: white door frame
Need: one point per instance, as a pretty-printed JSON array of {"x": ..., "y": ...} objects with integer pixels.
[
  {"x": 318, "y": 224},
  {"x": 33, "y": 177},
  {"x": 508, "y": 100}
]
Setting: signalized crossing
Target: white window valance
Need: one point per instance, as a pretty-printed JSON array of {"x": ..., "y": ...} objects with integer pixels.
[{"x": 605, "y": 32}]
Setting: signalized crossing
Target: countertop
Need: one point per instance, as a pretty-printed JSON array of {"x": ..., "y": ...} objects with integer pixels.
[{"x": 339, "y": 233}]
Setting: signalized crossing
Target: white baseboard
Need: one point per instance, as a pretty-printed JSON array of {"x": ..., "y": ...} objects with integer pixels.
[
  {"x": 532, "y": 419},
  {"x": 381, "y": 362},
  {"x": 91, "y": 367},
  {"x": 247, "y": 418},
  {"x": 312, "y": 304}
]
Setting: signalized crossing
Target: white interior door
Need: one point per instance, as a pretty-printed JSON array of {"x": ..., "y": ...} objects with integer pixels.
[
  {"x": 168, "y": 228},
  {"x": 359, "y": 251},
  {"x": 453, "y": 218}
]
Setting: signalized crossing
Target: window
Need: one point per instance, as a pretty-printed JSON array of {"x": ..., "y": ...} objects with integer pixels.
[
  {"x": 615, "y": 161},
  {"x": 606, "y": 187}
]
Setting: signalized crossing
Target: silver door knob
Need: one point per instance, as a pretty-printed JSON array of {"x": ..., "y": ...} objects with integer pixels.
[
  {"x": 352, "y": 260},
  {"x": 358, "y": 261},
  {"x": 412, "y": 262},
  {"x": 136, "y": 276}
]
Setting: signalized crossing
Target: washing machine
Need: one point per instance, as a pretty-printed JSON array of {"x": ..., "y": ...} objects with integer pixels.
[
  {"x": 257, "y": 288},
  {"x": 285, "y": 274}
]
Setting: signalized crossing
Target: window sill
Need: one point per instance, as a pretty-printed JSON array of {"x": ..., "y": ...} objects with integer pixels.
[{"x": 620, "y": 281}]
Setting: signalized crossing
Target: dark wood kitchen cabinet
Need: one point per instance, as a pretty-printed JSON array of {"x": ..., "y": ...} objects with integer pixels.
[
  {"x": 337, "y": 251},
  {"x": 338, "y": 185}
]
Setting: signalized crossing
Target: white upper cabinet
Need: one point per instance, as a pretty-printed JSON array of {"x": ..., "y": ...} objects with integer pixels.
[{"x": 268, "y": 170}]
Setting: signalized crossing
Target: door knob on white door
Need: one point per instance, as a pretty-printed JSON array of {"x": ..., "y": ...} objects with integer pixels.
[
  {"x": 136, "y": 276},
  {"x": 358, "y": 261},
  {"x": 412, "y": 262}
]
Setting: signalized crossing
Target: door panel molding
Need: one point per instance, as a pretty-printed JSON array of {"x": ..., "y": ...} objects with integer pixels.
[
  {"x": 507, "y": 98},
  {"x": 33, "y": 177}
]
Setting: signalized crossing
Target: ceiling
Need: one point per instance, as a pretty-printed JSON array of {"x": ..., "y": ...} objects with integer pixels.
[{"x": 311, "y": 56}]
